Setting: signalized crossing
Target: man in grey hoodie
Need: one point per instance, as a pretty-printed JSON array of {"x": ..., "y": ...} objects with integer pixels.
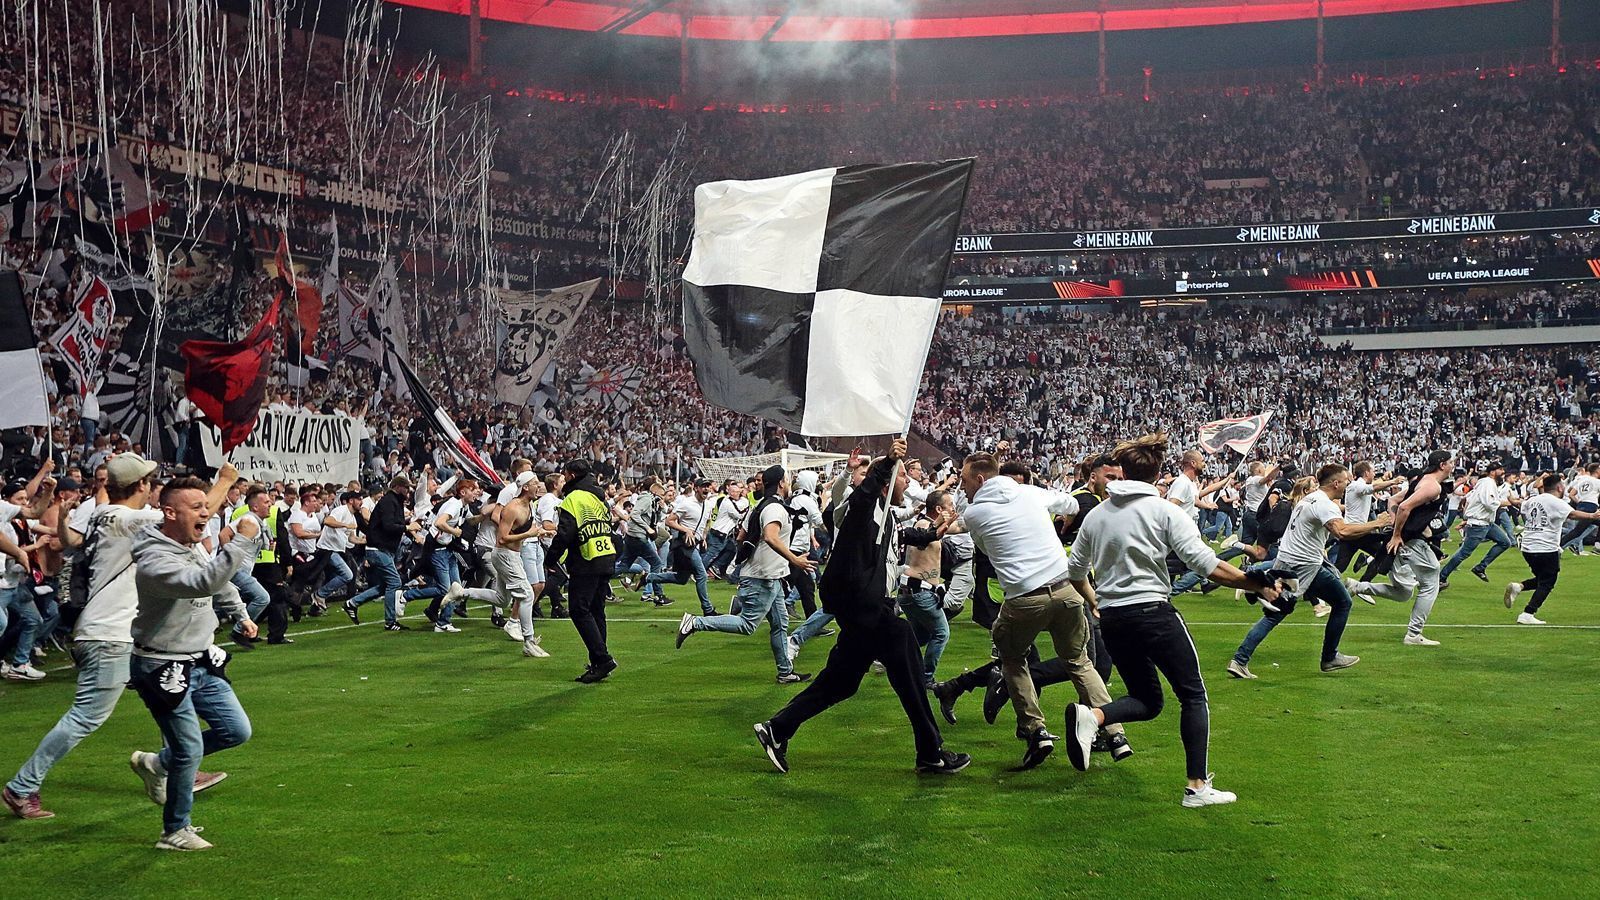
[{"x": 176, "y": 669}]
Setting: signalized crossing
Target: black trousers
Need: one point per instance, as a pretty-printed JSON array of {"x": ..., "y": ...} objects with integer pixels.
[
  {"x": 1373, "y": 544},
  {"x": 1147, "y": 638},
  {"x": 888, "y": 640},
  {"x": 586, "y": 603},
  {"x": 984, "y": 609},
  {"x": 1546, "y": 568},
  {"x": 277, "y": 612},
  {"x": 555, "y": 578},
  {"x": 803, "y": 582}
]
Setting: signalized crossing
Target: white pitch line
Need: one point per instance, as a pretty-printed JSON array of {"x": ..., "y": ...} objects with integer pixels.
[{"x": 1302, "y": 625}]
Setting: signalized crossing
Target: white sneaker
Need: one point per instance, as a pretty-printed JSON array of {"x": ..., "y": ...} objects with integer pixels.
[
  {"x": 513, "y": 629},
  {"x": 1512, "y": 590},
  {"x": 148, "y": 767},
  {"x": 185, "y": 838},
  {"x": 1321, "y": 609},
  {"x": 399, "y": 603},
  {"x": 532, "y": 648},
  {"x": 1240, "y": 670},
  {"x": 1417, "y": 640},
  {"x": 445, "y": 628},
  {"x": 454, "y": 592},
  {"x": 1350, "y": 588},
  {"x": 1081, "y": 728},
  {"x": 1528, "y": 618},
  {"x": 24, "y": 672},
  {"x": 1206, "y": 795}
]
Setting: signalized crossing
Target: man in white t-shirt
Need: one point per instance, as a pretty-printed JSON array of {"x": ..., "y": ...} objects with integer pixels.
[
  {"x": 1302, "y": 557},
  {"x": 103, "y": 638},
  {"x": 1483, "y": 506},
  {"x": 545, "y": 509},
  {"x": 1358, "y": 496},
  {"x": 1543, "y": 517},
  {"x": 728, "y": 509},
  {"x": 687, "y": 525},
  {"x": 761, "y": 577},
  {"x": 334, "y": 540},
  {"x": 1584, "y": 494}
]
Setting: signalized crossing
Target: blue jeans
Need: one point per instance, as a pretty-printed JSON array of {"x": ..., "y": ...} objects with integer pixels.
[
  {"x": 1220, "y": 525},
  {"x": 697, "y": 571},
  {"x": 716, "y": 543},
  {"x": 252, "y": 593},
  {"x": 759, "y": 598},
  {"x": 342, "y": 576},
  {"x": 926, "y": 615},
  {"x": 1475, "y": 536},
  {"x": 639, "y": 555},
  {"x": 380, "y": 564},
  {"x": 443, "y": 569},
  {"x": 1326, "y": 586},
  {"x": 812, "y": 626},
  {"x": 102, "y": 676},
  {"x": 210, "y": 698},
  {"x": 19, "y": 603},
  {"x": 1579, "y": 532}
]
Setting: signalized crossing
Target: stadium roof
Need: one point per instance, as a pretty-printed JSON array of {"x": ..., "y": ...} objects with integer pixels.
[{"x": 876, "y": 20}]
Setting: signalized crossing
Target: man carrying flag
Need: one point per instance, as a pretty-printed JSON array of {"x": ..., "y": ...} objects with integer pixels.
[{"x": 784, "y": 276}]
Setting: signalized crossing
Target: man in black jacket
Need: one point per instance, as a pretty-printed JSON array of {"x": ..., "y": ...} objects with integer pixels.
[
  {"x": 858, "y": 587},
  {"x": 384, "y": 529}
]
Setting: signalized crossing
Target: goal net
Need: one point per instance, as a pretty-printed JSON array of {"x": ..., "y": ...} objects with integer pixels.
[{"x": 720, "y": 469}]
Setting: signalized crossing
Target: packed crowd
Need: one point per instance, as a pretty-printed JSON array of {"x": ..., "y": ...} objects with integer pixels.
[{"x": 1040, "y": 379}]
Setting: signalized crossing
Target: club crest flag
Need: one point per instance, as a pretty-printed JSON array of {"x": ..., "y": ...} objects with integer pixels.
[
  {"x": 1236, "y": 434},
  {"x": 809, "y": 300},
  {"x": 82, "y": 339},
  {"x": 536, "y": 322}
]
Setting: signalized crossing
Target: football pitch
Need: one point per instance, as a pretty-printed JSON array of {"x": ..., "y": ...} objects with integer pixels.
[{"x": 420, "y": 764}]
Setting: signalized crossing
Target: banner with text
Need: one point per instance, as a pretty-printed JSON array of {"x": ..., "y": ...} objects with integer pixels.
[
  {"x": 974, "y": 289},
  {"x": 296, "y": 445},
  {"x": 1280, "y": 233}
]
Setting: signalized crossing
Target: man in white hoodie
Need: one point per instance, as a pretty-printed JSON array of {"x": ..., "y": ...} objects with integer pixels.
[
  {"x": 1013, "y": 525},
  {"x": 1125, "y": 542}
]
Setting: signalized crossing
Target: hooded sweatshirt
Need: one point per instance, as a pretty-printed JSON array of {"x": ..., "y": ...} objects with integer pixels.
[
  {"x": 1125, "y": 542},
  {"x": 1014, "y": 525},
  {"x": 176, "y": 587}
]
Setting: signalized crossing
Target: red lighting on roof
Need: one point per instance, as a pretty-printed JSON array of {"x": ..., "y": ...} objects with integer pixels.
[{"x": 670, "y": 21}]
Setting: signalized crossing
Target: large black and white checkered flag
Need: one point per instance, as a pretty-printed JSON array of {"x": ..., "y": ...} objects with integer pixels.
[{"x": 810, "y": 300}]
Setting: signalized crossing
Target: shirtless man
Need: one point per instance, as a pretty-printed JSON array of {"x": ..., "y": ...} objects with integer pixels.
[{"x": 516, "y": 525}]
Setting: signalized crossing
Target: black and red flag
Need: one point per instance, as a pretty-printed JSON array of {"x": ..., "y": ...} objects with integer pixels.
[
  {"x": 301, "y": 297},
  {"x": 443, "y": 427},
  {"x": 228, "y": 381}
]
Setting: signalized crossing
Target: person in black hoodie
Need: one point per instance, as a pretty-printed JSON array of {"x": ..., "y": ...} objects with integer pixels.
[
  {"x": 858, "y": 588},
  {"x": 384, "y": 529}
]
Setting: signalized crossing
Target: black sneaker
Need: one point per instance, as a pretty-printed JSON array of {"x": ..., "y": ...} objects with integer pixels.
[
  {"x": 776, "y": 750},
  {"x": 994, "y": 697},
  {"x": 663, "y": 600},
  {"x": 558, "y": 612},
  {"x": 350, "y": 611},
  {"x": 1040, "y": 745},
  {"x": 1102, "y": 742},
  {"x": 497, "y": 620},
  {"x": 948, "y": 763},
  {"x": 1480, "y": 575},
  {"x": 1119, "y": 747},
  {"x": 244, "y": 643},
  {"x": 794, "y": 678},
  {"x": 947, "y": 695},
  {"x": 431, "y": 614},
  {"x": 395, "y": 626},
  {"x": 596, "y": 674}
]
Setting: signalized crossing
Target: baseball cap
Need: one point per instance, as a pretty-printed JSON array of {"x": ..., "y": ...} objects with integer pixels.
[
  {"x": 128, "y": 468},
  {"x": 68, "y": 484},
  {"x": 15, "y": 484},
  {"x": 524, "y": 478}
]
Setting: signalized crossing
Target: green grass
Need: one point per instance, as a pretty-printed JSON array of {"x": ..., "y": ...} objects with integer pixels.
[{"x": 415, "y": 764}]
